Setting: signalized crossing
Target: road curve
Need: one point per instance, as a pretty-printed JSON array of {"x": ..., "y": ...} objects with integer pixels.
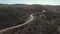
[{"x": 27, "y": 21}]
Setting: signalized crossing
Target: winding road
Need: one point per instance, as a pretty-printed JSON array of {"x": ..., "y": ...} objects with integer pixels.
[{"x": 30, "y": 19}]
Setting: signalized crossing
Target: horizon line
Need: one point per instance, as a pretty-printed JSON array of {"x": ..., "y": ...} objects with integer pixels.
[{"x": 29, "y": 3}]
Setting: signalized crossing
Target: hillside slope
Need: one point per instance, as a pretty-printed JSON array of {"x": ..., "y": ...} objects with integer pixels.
[{"x": 47, "y": 23}]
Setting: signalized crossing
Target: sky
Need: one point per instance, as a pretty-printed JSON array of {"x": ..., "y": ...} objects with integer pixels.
[{"x": 44, "y": 2}]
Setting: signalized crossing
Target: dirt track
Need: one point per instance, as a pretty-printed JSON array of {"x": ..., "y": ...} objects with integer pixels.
[{"x": 30, "y": 19}]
